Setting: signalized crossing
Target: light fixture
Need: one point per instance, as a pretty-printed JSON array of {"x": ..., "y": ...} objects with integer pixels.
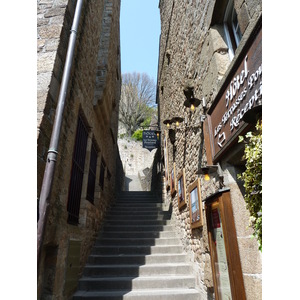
[
  {"x": 177, "y": 120},
  {"x": 157, "y": 133},
  {"x": 206, "y": 170},
  {"x": 168, "y": 122},
  {"x": 209, "y": 169},
  {"x": 190, "y": 101}
]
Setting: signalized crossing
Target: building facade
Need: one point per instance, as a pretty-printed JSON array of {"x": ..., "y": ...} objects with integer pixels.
[
  {"x": 211, "y": 51},
  {"x": 85, "y": 178}
]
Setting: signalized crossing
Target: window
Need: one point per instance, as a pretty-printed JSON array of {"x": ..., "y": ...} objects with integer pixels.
[
  {"x": 102, "y": 173},
  {"x": 232, "y": 29},
  {"x": 92, "y": 174},
  {"x": 78, "y": 161}
]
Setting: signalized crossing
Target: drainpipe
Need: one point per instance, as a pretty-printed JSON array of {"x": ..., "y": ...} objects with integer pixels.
[{"x": 52, "y": 152}]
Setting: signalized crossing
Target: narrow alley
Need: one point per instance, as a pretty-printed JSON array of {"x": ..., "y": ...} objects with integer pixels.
[{"x": 149, "y": 189}]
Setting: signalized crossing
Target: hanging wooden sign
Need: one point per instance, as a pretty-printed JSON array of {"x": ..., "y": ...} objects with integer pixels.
[{"x": 241, "y": 92}]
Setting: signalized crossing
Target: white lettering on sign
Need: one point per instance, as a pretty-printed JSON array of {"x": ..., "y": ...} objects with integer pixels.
[
  {"x": 235, "y": 122},
  {"x": 232, "y": 91},
  {"x": 236, "y": 83}
]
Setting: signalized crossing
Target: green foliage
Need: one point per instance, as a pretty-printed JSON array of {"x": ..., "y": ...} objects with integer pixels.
[
  {"x": 146, "y": 123},
  {"x": 252, "y": 178},
  {"x": 138, "y": 135}
]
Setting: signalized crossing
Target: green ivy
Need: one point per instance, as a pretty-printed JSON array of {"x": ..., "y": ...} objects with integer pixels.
[{"x": 252, "y": 178}]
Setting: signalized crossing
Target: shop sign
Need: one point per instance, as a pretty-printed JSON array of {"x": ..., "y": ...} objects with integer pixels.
[
  {"x": 150, "y": 140},
  {"x": 240, "y": 93}
]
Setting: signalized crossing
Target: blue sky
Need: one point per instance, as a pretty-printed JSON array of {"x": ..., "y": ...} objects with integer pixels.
[{"x": 140, "y": 30}]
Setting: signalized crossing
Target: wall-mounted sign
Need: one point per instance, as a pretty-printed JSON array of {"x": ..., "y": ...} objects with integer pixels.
[
  {"x": 240, "y": 92},
  {"x": 196, "y": 215},
  {"x": 150, "y": 140}
]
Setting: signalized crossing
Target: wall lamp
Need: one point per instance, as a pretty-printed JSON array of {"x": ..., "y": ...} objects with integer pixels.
[
  {"x": 168, "y": 122},
  {"x": 210, "y": 169},
  {"x": 177, "y": 120},
  {"x": 190, "y": 102},
  {"x": 157, "y": 133}
]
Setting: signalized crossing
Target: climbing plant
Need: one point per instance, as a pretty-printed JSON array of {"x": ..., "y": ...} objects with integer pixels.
[{"x": 252, "y": 178}]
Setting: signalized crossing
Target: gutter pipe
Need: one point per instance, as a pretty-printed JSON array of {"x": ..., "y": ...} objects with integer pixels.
[{"x": 52, "y": 152}]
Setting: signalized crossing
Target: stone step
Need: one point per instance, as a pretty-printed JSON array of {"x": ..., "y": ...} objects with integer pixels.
[
  {"x": 133, "y": 283},
  {"x": 146, "y": 204},
  {"x": 137, "y": 234},
  {"x": 138, "y": 198},
  {"x": 137, "y": 210},
  {"x": 171, "y": 249},
  {"x": 118, "y": 227},
  {"x": 137, "y": 259},
  {"x": 139, "y": 205},
  {"x": 137, "y": 241},
  {"x": 139, "y": 195},
  {"x": 137, "y": 255},
  {"x": 134, "y": 222},
  {"x": 137, "y": 270},
  {"x": 136, "y": 217},
  {"x": 149, "y": 294},
  {"x": 153, "y": 213}
]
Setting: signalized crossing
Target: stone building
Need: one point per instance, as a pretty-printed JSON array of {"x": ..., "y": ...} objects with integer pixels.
[
  {"x": 84, "y": 181},
  {"x": 211, "y": 51}
]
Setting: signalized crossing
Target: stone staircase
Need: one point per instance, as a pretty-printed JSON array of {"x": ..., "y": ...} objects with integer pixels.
[{"x": 137, "y": 255}]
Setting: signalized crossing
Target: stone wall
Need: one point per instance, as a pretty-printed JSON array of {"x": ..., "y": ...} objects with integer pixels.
[
  {"x": 193, "y": 51},
  {"x": 66, "y": 247},
  {"x": 135, "y": 158}
]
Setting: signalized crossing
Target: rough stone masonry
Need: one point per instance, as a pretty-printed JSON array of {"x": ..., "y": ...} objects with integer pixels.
[{"x": 193, "y": 51}]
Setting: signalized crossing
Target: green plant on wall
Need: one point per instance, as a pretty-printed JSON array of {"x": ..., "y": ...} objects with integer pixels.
[{"x": 252, "y": 178}]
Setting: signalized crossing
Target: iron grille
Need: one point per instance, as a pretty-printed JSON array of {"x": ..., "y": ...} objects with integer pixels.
[
  {"x": 77, "y": 172},
  {"x": 92, "y": 174}
]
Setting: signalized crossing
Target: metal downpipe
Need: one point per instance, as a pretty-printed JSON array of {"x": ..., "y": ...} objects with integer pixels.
[{"x": 52, "y": 152}]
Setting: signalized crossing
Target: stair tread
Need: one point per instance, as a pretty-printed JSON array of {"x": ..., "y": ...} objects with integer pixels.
[
  {"x": 136, "y": 246},
  {"x": 154, "y": 265},
  {"x": 139, "y": 255},
  {"x": 139, "y": 278},
  {"x": 138, "y": 238},
  {"x": 142, "y": 292}
]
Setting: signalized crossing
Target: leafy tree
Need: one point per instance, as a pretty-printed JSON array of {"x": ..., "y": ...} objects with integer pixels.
[
  {"x": 252, "y": 178},
  {"x": 137, "y": 100},
  {"x": 138, "y": 135}
]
